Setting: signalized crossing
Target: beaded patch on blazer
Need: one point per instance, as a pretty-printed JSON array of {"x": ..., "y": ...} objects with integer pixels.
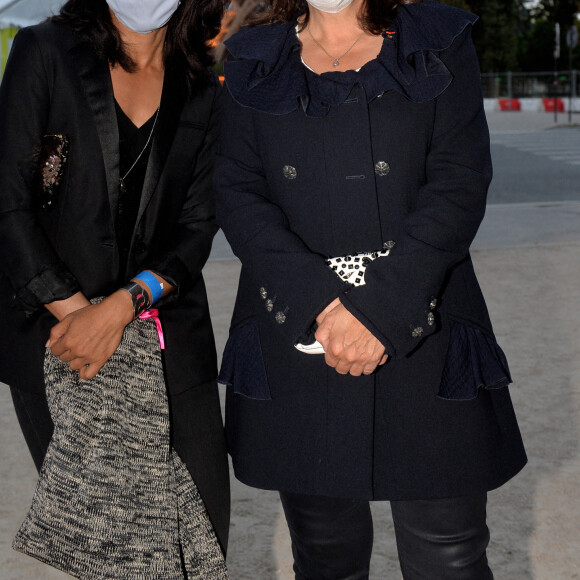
[{"x": 51, "y": 164}]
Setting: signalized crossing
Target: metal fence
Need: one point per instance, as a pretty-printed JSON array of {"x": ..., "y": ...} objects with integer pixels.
[{"x": 535, "y": 84}]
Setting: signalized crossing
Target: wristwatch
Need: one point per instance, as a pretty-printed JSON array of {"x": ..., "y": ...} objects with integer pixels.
[{"x": 139, "y": 298}]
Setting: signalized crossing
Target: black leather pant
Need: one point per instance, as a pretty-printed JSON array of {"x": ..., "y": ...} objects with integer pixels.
[
  {"x": 35, "y": 421},
  {"x": 444, "y": 539}
]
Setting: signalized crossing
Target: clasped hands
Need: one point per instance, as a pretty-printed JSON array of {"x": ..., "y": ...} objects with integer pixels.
[
  {"x": 349, "y": 346},
  {"x": 88, "y": 334}
]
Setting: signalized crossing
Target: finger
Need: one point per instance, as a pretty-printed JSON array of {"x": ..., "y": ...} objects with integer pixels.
[
  {"x": 369, "y": 370},
  {"x": 66, "y": 356},
  {"x": 341, "y": 369},
  {"x": 322, "y": 335},
  {"x": 57, "y": 345},
  {"x": 77, "y": 363},
  {"x": 89, "y": 372},
  {"x": 330, "y": 359},
  {"x": 356, "y": 370},
  {"x": 384, "y": 360},
  {"x": 57, "y": 332}
]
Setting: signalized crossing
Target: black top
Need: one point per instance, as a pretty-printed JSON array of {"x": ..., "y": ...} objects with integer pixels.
[{"x": 132, "y": 141}]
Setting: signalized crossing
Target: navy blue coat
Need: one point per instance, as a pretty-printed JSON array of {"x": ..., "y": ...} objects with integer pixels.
[{"x": 311, "y": 167}]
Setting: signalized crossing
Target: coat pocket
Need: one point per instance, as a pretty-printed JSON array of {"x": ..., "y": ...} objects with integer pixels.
[
  {"x": 243, "y": 364},
  {"x": 474, "y": 361}
]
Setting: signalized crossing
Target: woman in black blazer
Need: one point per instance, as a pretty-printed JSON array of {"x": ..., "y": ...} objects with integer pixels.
[
  {"x": 355, "y": 137},
  {"x": 117, "y": 102}
]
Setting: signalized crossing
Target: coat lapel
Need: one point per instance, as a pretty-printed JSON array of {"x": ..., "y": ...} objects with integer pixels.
[
  {"x": 172, "y": 102},
  {"x": 96, "y": 82}
]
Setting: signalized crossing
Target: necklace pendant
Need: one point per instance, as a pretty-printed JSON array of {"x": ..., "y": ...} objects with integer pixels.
[
  {"x": 123, "y": 186},
  {"x": 335, "y": 63}
]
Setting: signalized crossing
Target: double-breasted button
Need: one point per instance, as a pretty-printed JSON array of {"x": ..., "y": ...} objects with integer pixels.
[
  {"x": 269, "y": 305},
  {"x": 263, "y": 293},
  {"x": 289, "y": 172},
  {"x": 280, "y": 317},
  {"x": 417, "y": 332},
  {"x": 382, "y": 168},
  {"x": 433, "y": 303},
  {"x": 430, "y": 319}
]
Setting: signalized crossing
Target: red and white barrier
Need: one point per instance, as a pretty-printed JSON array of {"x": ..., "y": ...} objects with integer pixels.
[{"x": 532, "y": 105}]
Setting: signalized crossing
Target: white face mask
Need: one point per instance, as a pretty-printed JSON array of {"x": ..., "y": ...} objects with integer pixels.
[
  {"x": 331, "y": 6},
  {"x": 143, "y": 16}
]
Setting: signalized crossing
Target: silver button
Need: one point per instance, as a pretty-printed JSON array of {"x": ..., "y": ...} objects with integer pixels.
[
  {"x": 280, "y": 317},
  {"x": 417, "y": 332},
  {"x": 430, "y": 319},
  {"x": 269, "y": 305},
  {"x": 382, "y": 168},
  {"x": 263, "y": 293},
  {"x": 433, "y": 304},
  {"x": 289, "y": 172}
]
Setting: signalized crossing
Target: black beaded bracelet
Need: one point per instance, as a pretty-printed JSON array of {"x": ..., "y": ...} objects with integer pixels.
[{"x": 139, "y": 298}]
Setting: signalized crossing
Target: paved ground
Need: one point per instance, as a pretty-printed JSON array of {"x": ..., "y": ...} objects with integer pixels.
[{"x": 528, "y": 257}]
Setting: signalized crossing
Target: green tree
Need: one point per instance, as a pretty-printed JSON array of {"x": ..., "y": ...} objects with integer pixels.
[
  {"x": 562, "y": 11},
  {"x": 536, "y": 46},
  {"x": 536, "y": 41},
  {"x": 495, "y": 35}
]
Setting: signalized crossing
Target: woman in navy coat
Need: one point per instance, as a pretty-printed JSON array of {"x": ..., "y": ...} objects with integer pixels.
[{"x": 358, "y": 131}]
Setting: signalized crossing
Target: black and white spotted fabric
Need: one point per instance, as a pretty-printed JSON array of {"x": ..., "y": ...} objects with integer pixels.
[
  {"x": 352, "y": 268},
  {"x": 114, "y": 501}
]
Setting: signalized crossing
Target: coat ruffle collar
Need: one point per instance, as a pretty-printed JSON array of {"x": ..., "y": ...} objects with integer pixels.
[{"x": 266, "y": 72}]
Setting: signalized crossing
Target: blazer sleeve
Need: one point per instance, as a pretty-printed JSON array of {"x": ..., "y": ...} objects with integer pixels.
[
  {"x": 398, "y": 302},
  {"x": 190, "y": 243},
  {"x": 297, "y": 280},
  {"x": 27, "y": 258}
]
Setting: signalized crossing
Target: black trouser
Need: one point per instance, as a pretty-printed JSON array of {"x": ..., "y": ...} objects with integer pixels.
[
  {"x": 443, "y": 539},
  {"x": 35, "y": 422}
]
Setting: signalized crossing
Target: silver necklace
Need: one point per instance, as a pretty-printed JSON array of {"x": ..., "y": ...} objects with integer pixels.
[
  {"x": 122, "y": 179},
  {"x": 335, "y": 60}
]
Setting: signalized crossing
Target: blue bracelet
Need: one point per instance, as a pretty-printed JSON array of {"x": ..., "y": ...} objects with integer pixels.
[{"x": 152, "y": 283}]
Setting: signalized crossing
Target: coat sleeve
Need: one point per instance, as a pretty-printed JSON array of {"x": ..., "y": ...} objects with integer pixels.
[
  {"x": 398, "y": 302},
  {"x": 27, "y": 258},
  {"x": 297, "y": 280},
  {"x": 190, "y": 243}
]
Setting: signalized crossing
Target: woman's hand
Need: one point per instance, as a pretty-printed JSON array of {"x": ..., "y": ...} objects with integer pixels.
[
  {"x": 87, "y": 338},
  {"x": 62, "y": 308},
  {"x": 350, "y": 347}
]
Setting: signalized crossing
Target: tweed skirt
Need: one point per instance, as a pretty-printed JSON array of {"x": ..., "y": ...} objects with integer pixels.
[{"x": 114, "y": 500}]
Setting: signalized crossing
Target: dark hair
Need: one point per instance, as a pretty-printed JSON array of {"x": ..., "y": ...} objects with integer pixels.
[
  {"x": 375, "y": 16},
  {"x": 189, "y": 31}
]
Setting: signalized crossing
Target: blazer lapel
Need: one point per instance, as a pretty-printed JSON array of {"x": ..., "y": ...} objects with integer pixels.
[
  {"x": 172, "y": 102},
  {"x": 96, "y": 81}
]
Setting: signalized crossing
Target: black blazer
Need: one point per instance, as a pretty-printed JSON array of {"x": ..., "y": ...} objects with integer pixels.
[
  {"x": 55, "y": 84},
  {"x": 304, "y": 172}
]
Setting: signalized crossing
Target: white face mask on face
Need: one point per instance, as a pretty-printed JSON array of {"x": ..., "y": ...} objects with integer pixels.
[
  {"x": 331, "y": 6},
  {"x": 143, "y": 16}
]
